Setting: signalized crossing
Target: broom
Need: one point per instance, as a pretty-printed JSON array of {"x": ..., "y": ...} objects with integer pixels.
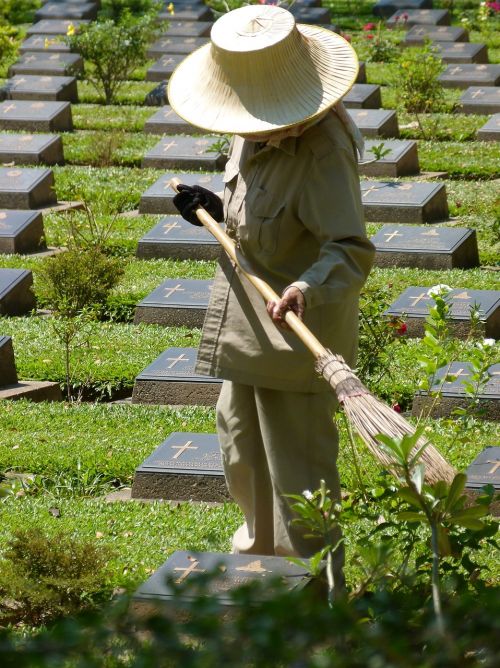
[{"x": 368, "y": 415}]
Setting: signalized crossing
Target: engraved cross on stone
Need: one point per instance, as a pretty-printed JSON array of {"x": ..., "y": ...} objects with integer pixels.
[
  {"x": 186, "y": 572},
  {"x": 418, "y": 298},
  {"x": 170, "y": 226},
  {"x": 170, "y": 291},
  {"x": 181, "y": 449},
  {"x": 167, "y": 62},
  {"x": 366, "y": 192},
  {"x": 390, "y": 236},
  {"x": 456, "y": 70},
  {"x": 477, "y": 93},
  {"x": 495, "y": 467},
  {"x": 174, "y": 360},
  {"x": 9, "y": 108},
  {"x": 168, "y": 146}
]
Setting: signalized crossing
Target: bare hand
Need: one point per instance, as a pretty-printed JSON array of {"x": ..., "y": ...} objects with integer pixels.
[{"x": 291, "y": 300}]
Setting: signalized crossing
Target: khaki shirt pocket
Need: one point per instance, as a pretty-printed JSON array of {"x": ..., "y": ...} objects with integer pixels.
[{"x": 263, "y": 221}]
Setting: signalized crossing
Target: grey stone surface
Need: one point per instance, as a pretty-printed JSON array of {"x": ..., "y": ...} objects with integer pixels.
[
  {"x": 159, "y": 197},
  {"x": 189, "y": 29},
  {"x": 54, "y": 27},
  {"x": 490, "y": 130},
  {"x": 44, "y": 44},
  {"x": 158, "y": 96},
  {"x": 183, "y": 13},
  {"x": 401, "y": 160},
  {"x": 33, "y": 87},
  {"x": 410, "y": 17},
  {"x": 314, "y": 15},
  {"x": 8, "y": 373},
  {"x": 180, "y": 152},
  {"x": 404, "y": 202},
  {"x": 376, "y": 122},
  {"x": 166, "y": 121},
  {"x": 361, "y": 78},
  {"x": 414, "y": 303},
  {"x": 386, "y": 8},
  {"x": 26, "y": 188},
  {"x": 462, "y": 52},
  {"x": 16, "y": 295},
  {"x": 176, "y": 45},
  {"x": 67, "y": 10},
  {"x": 175, "y": 303},
  {"x": 164, "y": 67},
  {"x": 426, "y": 247},
  {"x": 363, "y": 96},
  {"x": 470, "y": 74},
  {"x": 418, "y": 34},
  {"x": 41, "y": 390},
  {"x": 47, "y": 64},
  {"x": 175, "y": 238},
  {"x": 479, "y": 100},
  {"x": 21, "y": 231},
  {"x": 28, "y": 149},
  {"x": 485, "y": 469},
  {"x": 186, "y": 466},
  {"x": 170, "y": 379},
  {"x": 36, "y": 116}
]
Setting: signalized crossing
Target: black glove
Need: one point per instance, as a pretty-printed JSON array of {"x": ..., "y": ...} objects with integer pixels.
[{"x": 189, "y": 198}]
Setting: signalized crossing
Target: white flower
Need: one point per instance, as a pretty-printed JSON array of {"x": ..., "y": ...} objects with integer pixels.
[
  {"x": 486, "y": 343},
  {"x": 307, "y": 494},
  {"x": 439, "y": 290}
]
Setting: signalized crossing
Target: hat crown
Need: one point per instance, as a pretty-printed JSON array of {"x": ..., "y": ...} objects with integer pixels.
[{"x": 252, "y": 28}]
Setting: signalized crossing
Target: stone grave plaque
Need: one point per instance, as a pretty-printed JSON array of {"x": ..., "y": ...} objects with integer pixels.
[
  {"x": 186, "y": 13},
  {"x": 175, "y": 303},
  {"x": 404, "y": 202},
  {"x": 20, "y": 231},
  {"x": 363, "y": 96},
  {"x": 479, "y": 100},
  {"x": 47, "y": 64},
  {"x": 45, "y": 44},
  {"x": 179, "y": 152},
  {"x": 485, "y": 469},
  {"x": 67, "y": 10},
  {"x": 171, "y": 379},
  {"x": 164, "y": 67},
  {"x": 166, "y": 121},
  {"x": 406, "y": 18},
  {"x": 385, "y": 8},
  {"x": 361, "y": 78},
  {"x": 36, "y": 116},
  {"x": 468, "y": 74},
  {"x": 189, "y": 29},
  {"x": 27, "y": 188},
  {"x": 312, "y": 15},
  {"x": 490, "y": 130},
  {"x": 182, "y": 45},
  {"x": 186, "y": 466},
  {"x": 401, "y": 160},
  {"x": 426, "y": 247},
  {"x": 375, "y": 122},
  {"x": 28, "y": 149},
  {"x": 462, "y": 52},
  {"x": 414, "y": 304},
  {"x": 453, "y": 393},
  {"x": 159, "y": 197},
  {"x": 175, "y": 238},
  {"x": 8, "y": 373},
  {"x": 33, "y": 87},
  {"x": 16, "y": 295},
  {"x": 418, "y": 35},
  {"x": 54, "y": 27}
]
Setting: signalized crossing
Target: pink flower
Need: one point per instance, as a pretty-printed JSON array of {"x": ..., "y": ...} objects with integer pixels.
[
  {"x": 369, "y": 36},
  {"x": 495, "y": 6},
  {"x": 369, "y": 26},
  {"x": 404, "y": 16}
]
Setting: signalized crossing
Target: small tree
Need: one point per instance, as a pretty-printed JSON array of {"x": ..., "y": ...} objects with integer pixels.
[
  {"x": 417, "y": 80},
  {"x": 115, "y": 9}
]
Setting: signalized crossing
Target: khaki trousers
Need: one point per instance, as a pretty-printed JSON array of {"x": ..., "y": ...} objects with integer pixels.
[{"x": 276, "y": 443}]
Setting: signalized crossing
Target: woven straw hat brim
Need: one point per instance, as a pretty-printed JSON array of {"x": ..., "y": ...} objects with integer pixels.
[{"x": 313, "y": 73}]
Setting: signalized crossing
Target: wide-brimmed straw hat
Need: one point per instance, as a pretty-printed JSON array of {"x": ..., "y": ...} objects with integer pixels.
[{"x": 261, "y": 72}]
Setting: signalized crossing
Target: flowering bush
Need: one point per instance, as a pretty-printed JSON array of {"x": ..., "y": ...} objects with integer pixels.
[
  {"x": 382, "y": 44},
  {"x": 417, "y": 80}
]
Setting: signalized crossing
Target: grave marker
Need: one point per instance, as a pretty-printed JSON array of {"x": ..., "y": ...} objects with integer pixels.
[
  {"x": 490, "y": 130},
  {"x": 166, "y": 121},
  {"x": 31, "y": 149},
  {"x": 171, "y": 379},
  {"x": 47, "y": 64},
  {"x": 479, "y": 100},
  {"x": 44, "y": 44},
  {"x": 186, "y": 466},
  {"x": 175, "y": 45},
  {"x": 404, "y": 202},
  {"x": 426, "y": 247},
  {"x": 8, "y": 373},
  {"x": 16, "y": 295},
  {"x": 363, "y": 96},
  {"x": 188, "y": 13},
  {"x": 462, "y": 52},
  {"x": 453, "y": 393},
  {"x": 385, "y": 8},
  {"x": 179, "y": 152},
  {"x": 159, "y": 197},
  {"x": 414, "y": 304},
  {"x": 54, "y": 27},
  {"x": 419, "y": 34},
  {"x": 485, "y": 469},
  {"x": 311, "y": 15},
  {"x": 20, "y": 231},
  {"x": 175, "y": 238},
  {"x": 361, "y": 78},
  {"x": 33, "y": 87},
  {"x": 164, "y": 67},
  {"x": 175, "y": 303},
  {"x": 406, "y": 18},
  {"x": 26, "y": 188},
  {"x": 465, "y": 75},
  {"x": 189, "y": 29},
  {"x": 401, "y": 159},
  {"x": 36, "y": 116},
  {"x": 66, "y": 10},
  {"x": 375, "y": 122}
]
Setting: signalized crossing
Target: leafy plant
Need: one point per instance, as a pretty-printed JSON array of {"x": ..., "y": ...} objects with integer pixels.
[
  {"x": 117, "y": 9},
  {"x": 379, "y": 150},
  {"x": 381, "y": 44},
  {"x": 18, "y": 11}
]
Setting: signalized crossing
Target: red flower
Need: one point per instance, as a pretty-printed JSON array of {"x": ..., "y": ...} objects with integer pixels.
[
  {"x": 369, "y": 36},
  {"x": 347, "y": 37},
  {"x": 397, "y": 408},
  {"x": 369, "y": 26},
  {"x": 404, "y": 16},
  {"x": 495, "y": 6},
  {"x": 402, "y": 329}
]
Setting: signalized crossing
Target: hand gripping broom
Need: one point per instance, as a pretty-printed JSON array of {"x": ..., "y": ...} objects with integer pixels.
[{"x": 368, "y": 415}]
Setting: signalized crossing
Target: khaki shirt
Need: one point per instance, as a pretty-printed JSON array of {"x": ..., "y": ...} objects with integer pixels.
[{"x": 296, "y": 213}]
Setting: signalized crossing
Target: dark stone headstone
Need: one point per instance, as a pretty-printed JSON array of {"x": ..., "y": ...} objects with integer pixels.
[
  {"x": 31, "y": 149},
  {"x": 45, "y": 44},
  {"x": 175, "y": 238},
  {"x": 485, "y": 469},
  {"x": 462, "y": 52},
  {"x": 419, "y": 34},
  {"x": 20, "y": 231},
  {"x": 8, "y": 373},
  {"x": 453, "y": 393},
  {"x": 47, "y": 64},
  {"x": 158, "y": 96},
  {"x": 426, "y": 247},
  {"x": 478, "y": 100},
  {"x": 189, "y": 29},
  {"x": 363, "y": 96},
  {"x": 176, "y": 45},
  {"x": 67, "y": 10},
  {"x": 26, "y": 188},
  {"x": 171, "y": 379},
  {"x": 375, "y": 122},
  {"x": 166, "y": 121},
  {"x": 490, "y": 131},
  {"x": 16, "y": 295},
  {"x": 34, "y": 390},
  {"x": 33, "y": 87},
  {"x": 361, "y": 78},
  {"x": 164, "y": 67},
  {"x": 159, "y": 197},
  {"x": 385, "y": 8},
  {"x": 465, "y": 75},
  {"x": 179, "y": 152},
  {"x": 186, "y": 466},
  {"x": 313, "y": 15},
  {"x": 36, "y": 116},
  {"x": 414, "y": 303},
  {"x": 404, "y": 202},
  {"x": 175, "y": 303},
  {"x": 401, "y": 159},
  {"x": 411, "y": 17},
  {"x": 183, "y": 13},
  {"x": 54, "y": 27}
]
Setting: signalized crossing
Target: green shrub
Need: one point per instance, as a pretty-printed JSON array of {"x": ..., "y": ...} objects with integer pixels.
[
  {"x": 18, "y": 11},
  {"x": 419, "y": 90},
  {"x": 116, "y": 9}
]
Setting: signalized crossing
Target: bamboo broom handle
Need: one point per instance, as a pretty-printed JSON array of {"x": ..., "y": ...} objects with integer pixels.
[{"x": 294, "y": 322}]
